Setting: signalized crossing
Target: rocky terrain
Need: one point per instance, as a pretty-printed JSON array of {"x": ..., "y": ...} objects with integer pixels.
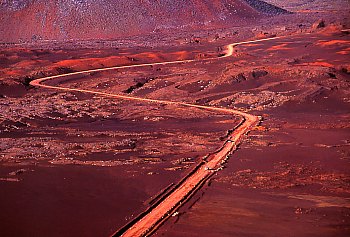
[
  {"x": 87, "y": 19},
  {"x": 292, "y": 170},
  {"x": 77, "y": 164}
]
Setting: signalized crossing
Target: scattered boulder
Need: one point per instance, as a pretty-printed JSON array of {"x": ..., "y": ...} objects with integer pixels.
[
  {"x": 319, "y": 24},
  {"x": 239, "y": 78},
  {"x": 64, "y": 70},
  {"x": 27, "y": 80},
  {"x": 259, "y": 73},
  {"x": 332, "y": 75},
  {"x": 17, "y": 172}
]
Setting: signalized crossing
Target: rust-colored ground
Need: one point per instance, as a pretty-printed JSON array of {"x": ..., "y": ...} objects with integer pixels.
[
  {"x": 79, "y": 164},
  {"x": 294, "y": 170}
]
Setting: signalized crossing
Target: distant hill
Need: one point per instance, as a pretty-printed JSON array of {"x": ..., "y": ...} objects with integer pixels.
[
  {"x": 266, "y": 8},
  {"x": 106, "y": 19}
]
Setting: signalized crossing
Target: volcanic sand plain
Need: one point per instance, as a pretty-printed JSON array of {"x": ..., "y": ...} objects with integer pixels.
[{"x": 80, "y": 164}]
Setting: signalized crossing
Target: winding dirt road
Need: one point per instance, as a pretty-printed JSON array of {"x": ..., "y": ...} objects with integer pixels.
[{"x": 145, "y": 224}]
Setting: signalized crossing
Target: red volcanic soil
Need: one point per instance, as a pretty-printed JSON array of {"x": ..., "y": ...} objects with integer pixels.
[
  {"x": 86, "y": 136},
  {"x": 293, "y": 171},
  {"x": 62, "y": 20},
  {"x": 78, "y": 164}
]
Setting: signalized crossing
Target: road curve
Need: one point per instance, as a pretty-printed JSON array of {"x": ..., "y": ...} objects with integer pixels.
[{"x": 158, "y": 213}]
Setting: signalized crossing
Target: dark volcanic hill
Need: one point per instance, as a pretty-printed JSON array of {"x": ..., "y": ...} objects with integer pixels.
[{"x": 105, "y": 19}]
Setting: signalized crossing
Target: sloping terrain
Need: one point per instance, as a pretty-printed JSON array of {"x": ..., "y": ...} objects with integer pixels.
[
  {"x": 311, "y": 5},
  {"x": 72, "y": 158},
  {"x": 266, "y": 8},
  {"x": 88, "y": 19},
  {"x": 138, "y": 116}
]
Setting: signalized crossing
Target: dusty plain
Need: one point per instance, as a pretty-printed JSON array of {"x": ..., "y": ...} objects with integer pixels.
[{"x": 76, "y": 164}]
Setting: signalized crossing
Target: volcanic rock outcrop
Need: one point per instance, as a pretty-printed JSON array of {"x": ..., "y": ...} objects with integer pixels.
[{"x": 23, "y": 20}]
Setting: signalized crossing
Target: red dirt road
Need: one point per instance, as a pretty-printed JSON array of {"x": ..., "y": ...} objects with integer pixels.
[{"x": 193, "y": 181}]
